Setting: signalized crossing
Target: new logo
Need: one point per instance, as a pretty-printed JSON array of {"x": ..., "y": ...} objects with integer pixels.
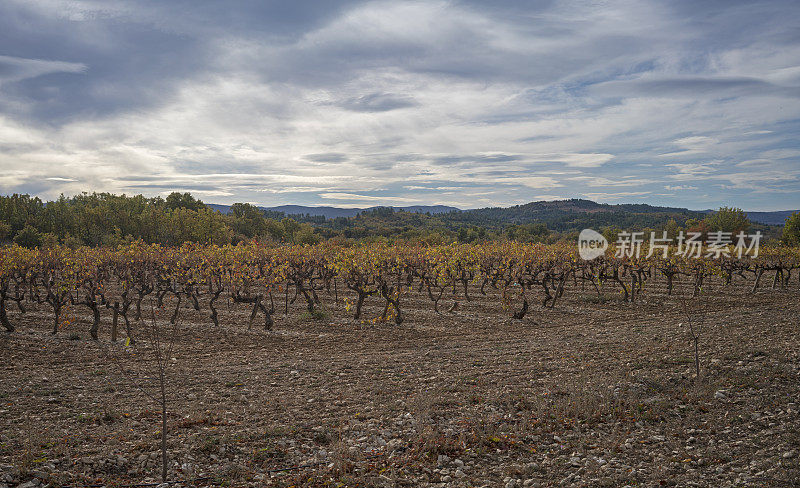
[{"x": 591, "y": 244}]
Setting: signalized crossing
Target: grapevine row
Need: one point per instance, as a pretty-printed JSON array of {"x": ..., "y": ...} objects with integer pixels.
[{"x": 261, "y": 277}]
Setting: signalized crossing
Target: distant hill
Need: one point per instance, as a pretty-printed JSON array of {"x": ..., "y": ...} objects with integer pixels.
[
  {"x": 771, "y": 218},
  {"x": 333, "y": 212},
  {"x": 327, "y": 212},
  {"x": 574, "y": 214},
  {"x": 557, "y": 215},
  {"x": 777, "y": 217}
]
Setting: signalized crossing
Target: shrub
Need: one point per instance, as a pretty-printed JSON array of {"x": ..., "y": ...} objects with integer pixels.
[
  {"x": 28, "y": 237},
  {"x": 791, "y": 230}
]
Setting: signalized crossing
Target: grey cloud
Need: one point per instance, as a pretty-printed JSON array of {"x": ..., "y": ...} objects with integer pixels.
[
  {"x": 207, "y": 167},
  {"x": 378, "y": 102},
  {"x": 124, "y": 178},
  {"x": 694, "y": 86},
  {"x": 479, "y": 158},
  {"x": 538, "y": 138},
  {"x": 168, "y": 186},
  {"x": 137, "y": 53},
  {"x": 327, "y": 157}
]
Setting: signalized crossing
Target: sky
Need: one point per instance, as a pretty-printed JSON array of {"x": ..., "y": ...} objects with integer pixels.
[{"x": 359, "y": 103}]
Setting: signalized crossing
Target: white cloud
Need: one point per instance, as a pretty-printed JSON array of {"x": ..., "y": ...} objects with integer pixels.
[
  {"x": 604, "y": 197},
  {"x": 354, "y": 197},
  {"x": 61, "y": 179},
  {"x": 14, "y": 69}
]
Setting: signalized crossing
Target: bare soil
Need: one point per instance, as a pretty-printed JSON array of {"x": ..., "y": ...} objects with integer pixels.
[{"x": 595, "y": 392}]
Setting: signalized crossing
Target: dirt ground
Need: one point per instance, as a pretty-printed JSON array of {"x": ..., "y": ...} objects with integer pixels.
[{"x": 595, "y": 392}]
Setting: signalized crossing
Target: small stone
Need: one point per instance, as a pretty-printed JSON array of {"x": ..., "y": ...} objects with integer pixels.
[
  {"x": 720, "y": 395},
  {"x": 789, "y": 455},
  {"x": 394, "y": 445},
  {"x": 40, "y": 474}
]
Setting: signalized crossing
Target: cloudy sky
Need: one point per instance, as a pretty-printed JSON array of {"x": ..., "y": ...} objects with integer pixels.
[{"x": 361, "y": 103}]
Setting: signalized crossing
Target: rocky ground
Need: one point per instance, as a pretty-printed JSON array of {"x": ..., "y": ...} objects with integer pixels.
[{"x": 595, "y": 392}]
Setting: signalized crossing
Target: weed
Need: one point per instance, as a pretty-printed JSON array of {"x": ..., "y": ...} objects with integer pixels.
[
  {"x": 209, "y": 444},
  {"x": 316, "y": 314}
]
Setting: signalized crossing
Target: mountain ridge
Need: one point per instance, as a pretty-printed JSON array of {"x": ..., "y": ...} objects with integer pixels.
[
  {"x": 330, "y": 212},
  {"x": 515, "y": 213}
]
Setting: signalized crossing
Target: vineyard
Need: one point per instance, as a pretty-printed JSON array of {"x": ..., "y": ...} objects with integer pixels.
[
  {"x": 500, "y": 364},
  {"x": 270, "y": 279}
]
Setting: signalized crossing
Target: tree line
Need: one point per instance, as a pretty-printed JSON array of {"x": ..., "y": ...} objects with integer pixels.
[{"x": 104, "y": 219}]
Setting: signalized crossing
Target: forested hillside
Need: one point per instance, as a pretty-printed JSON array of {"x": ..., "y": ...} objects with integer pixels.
[{"x": 106, "y": 219}]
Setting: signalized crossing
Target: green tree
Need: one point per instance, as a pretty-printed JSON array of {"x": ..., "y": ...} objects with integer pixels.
[
  {"x": 290, "y": 228},
  {"x": 246, "y": 210},
  {"x": 5, "y": 231},
  {"x": 274, "y": 229},
  {"x": 21, "y": 210},
  {"x": 247, "y": 220},
  {"x": 28, "y": 237},
  {"x": 611, "y": 233},
  {"x": 791, "y": 230},
  {"x": 305, "y": 235},
  {"x": 536, "y": 232},
  {"x": 177, "y": 200},
  {"x": 728, "y": 219},
  {"x": 672, "y": 229}
]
